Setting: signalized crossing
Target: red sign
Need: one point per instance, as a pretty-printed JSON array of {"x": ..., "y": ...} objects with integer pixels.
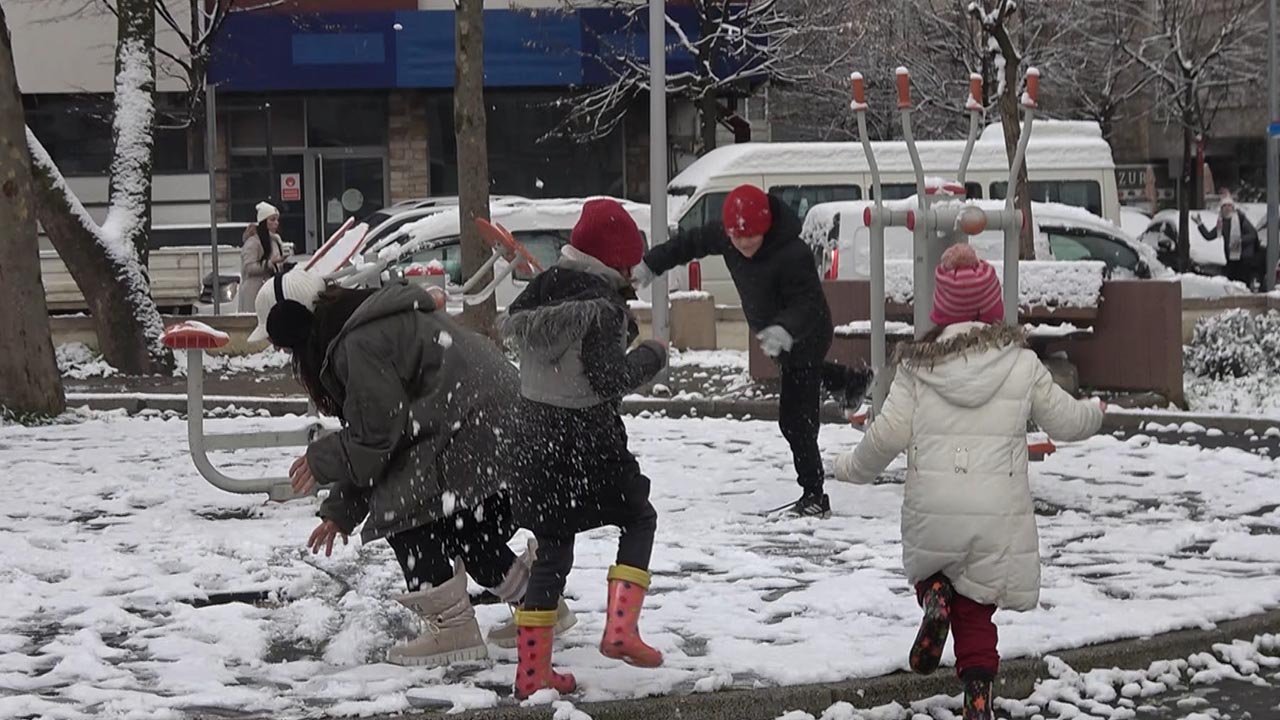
[{"x": 291, "y": 187}]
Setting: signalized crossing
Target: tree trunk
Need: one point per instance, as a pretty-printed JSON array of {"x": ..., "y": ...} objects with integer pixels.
[
  {"x": 29, "y": 380},
  {"x": 708, "y": 114},
  {"x": 1186, "y": 183},
  {"x": 473, "y": 154},
  {"x": 124, "y": 315},
  {"x": 133, "y": 126},
  {"x": 108, "y": 262},
  {"x": 1010, "y": 119}
]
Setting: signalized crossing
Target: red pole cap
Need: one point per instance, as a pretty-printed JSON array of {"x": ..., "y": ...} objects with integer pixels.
[
  {"x": 859, "y": 90},
  {"x": 904, "y": 88},
  {"x": 1031, "y": 98}
]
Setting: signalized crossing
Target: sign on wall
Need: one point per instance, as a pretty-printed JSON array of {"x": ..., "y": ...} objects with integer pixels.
[{"x": 291, "y": 187}]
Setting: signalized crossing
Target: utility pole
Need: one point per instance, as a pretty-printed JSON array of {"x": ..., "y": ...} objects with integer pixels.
[{"x": 658, "y": 159}]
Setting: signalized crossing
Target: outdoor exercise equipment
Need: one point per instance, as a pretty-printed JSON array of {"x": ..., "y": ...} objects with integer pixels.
[{"x": 938, "y": 220}]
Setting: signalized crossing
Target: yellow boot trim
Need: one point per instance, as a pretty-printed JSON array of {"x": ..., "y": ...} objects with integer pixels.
[
  {"x": 636, "y": 576},
  {"x": 536, "y": 618}
]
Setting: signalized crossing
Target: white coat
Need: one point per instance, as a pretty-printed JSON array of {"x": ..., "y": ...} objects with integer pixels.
[{"x": 959, "y": 407}]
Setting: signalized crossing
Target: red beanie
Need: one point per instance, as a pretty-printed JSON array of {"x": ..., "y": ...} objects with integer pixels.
[
  {"x": 965, "y": 289},
  {"x": 746, "y": 212},
  {"x": 608, "y": 233}
]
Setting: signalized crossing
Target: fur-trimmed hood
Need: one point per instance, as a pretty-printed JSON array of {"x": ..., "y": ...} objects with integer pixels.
[
  {"x": 968, "y": 363},
  {"x": 561, "y": 305}
]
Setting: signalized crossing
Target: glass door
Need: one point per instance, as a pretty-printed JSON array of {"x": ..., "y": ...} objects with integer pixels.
[{"x": 342, "y": 183}]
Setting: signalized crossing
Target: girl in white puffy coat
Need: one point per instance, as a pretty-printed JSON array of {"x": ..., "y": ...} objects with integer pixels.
[{"x": 959, "y": 406}]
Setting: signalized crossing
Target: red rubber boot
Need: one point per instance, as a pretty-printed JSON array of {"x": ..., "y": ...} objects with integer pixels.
[
  {"x": 621, "y": 641},
  {"x": 535, "y": 633}
]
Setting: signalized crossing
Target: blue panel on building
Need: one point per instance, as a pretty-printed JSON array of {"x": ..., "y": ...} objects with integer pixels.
[
  {"x": 523, "y": 48},
  {"x": 258, "y": 52},
  {"x": 331, "y": 48}
]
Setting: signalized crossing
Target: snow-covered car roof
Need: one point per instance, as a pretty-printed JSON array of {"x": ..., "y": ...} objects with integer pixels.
[
  {"x": 1054, "y": 144},
  {"x": 516, "y": 216}
]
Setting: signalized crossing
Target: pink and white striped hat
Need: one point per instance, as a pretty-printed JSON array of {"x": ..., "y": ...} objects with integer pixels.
[{"x": 965, "y": 289}]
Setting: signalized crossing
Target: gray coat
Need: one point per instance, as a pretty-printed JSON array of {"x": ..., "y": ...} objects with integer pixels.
[
  {"x": 424, "y": 404},
  {"x": 256, "y": 267}
]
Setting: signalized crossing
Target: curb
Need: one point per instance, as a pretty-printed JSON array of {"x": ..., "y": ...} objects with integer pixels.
[
  {"x": 1115, "y": 421},
  {"x": 1017, "y": 679}
]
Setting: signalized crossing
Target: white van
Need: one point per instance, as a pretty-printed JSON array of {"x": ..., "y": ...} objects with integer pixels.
[{"x": 1068, "y": 162}]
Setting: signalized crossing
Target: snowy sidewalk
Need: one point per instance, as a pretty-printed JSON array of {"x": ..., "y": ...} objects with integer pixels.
[{"x": 109, "y": 533}]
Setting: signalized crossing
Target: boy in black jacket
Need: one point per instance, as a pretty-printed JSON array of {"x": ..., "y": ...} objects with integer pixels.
[{"x": 782, "y": 298}]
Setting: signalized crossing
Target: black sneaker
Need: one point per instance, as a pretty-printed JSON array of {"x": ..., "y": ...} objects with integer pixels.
[
  {"x": 855, "y": 389},
  {"x": 812, "y": 505}
]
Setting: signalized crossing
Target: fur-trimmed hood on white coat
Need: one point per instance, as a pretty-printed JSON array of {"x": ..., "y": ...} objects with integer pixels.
[{"x": 959, "y": 407}]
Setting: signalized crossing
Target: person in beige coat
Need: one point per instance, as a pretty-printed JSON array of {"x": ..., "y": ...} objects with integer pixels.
[
  {"x": 959, "y": 406},
  {"x": 261, "y": 255}
]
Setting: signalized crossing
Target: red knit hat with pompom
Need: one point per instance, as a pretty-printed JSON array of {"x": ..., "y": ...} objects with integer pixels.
[{"x": 965, "y": 289}]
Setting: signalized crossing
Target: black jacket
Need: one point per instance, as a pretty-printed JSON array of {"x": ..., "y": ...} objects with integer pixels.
[
  {"x": 569, "y": 453},
  {"x": 778, "y": 286}
]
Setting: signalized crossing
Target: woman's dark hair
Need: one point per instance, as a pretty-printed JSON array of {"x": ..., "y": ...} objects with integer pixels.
[
  {"x": 333, "y": 309},
  {"x": 264, "y": 237}
]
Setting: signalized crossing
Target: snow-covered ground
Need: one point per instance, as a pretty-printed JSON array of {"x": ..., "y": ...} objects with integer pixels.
[{"x": 109, "y": 534}]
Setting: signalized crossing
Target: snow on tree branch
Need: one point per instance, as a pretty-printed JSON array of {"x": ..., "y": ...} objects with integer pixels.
[
  {"x": 120, "y": 253},
  {"x": 134, "y": 124}
]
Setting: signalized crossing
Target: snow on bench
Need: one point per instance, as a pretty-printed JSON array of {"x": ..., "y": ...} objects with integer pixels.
[
  {"x": 1041, "y": 283},
  {"x": 1035, "y": 331}
]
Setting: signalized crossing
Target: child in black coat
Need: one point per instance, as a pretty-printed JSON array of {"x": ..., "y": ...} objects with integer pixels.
[{"x": 572, "y": 328}]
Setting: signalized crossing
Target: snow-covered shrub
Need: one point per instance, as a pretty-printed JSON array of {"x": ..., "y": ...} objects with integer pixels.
[{"x": 1236, "y": 343}]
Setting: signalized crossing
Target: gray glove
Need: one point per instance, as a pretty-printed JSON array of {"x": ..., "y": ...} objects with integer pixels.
[
  {"x": 641, "y": 276},
  {"x": 775, "y": 340}
]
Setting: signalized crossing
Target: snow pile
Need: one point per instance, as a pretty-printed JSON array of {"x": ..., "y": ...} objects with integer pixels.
[
  {"x": 98, "y": 577},
  {"x": 1110, "y": 693},
  {"x": 79, "y": 362},
  {"x": 1233, "y": 363},
  {"x": 268, "y": 359},
  {"x": 1210, "y": 287}
]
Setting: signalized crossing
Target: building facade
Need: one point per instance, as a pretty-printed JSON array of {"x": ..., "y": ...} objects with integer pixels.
[{"x": 337, "y": 108}]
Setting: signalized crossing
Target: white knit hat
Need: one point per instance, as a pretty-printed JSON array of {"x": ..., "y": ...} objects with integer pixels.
[
  {"x": 301, "y": 286},
  {"x": 266, "y": 210}
]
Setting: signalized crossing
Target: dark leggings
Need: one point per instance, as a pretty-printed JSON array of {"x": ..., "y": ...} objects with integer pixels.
[
  {"x": 478, "y": 535},
  {"x": 799, "y": 409},
  {"x": 555, "y": 557}
]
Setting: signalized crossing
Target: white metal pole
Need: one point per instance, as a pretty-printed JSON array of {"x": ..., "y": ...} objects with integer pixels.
[
  {"x": 876, "y": 228},
  {"x": 658, "y": 158},
  {"x": 1273, "y": 162}
]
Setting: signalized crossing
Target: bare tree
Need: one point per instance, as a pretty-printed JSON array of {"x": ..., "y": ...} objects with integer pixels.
[
  {"x": 470, "y": 128},
  {"x": 29, "y": 380},
  {"x": 739, "y": 45},
  {"x": 1203, "y": 56},
  {"x": 107, "y": 261},
  {"x": 1099, "y": 79}
]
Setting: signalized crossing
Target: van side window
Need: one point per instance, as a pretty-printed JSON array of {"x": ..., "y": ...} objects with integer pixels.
[
  {"x": 709, "y": 207},
  {"x": 895, "y": 191},
  {"x": 544, "y": 246},
  {"x": 1085, "y": 194},
  {"x": 802, "y": 197},
  {"x": 902, "y": 191}
]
